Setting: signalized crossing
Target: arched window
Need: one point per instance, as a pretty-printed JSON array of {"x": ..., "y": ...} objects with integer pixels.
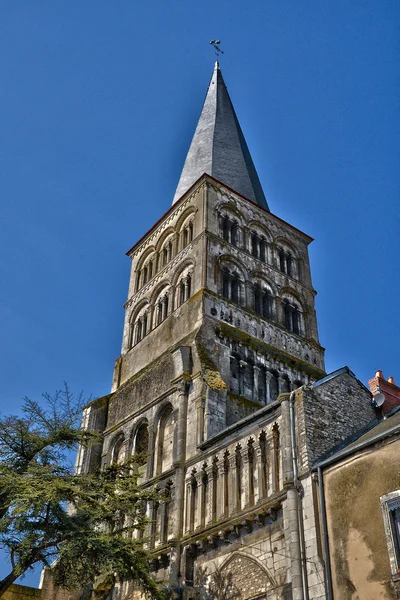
[
  {"x": 184, "y": 288},
  {"x": 287, "y": 262},
  {"x": 226, "y": 227},
  {"x": 140, "y": 326},
  {"x": 118, "y": 453},
  {"x": 231, "y": 285},
  {"x": 254, "y": 244},
  {"x": 273, "y": 386},
  {"x": 230, "y": 230},
  {"x": 234, "y": 234},
  {"x": 263, "y": 250},
  {"x": 165, "y": 441},
  {"x": 291, "y": 316},
  {"x": 258, "y": 246},
  {"x": 235, "y": 288},
  {"x": 263, "y": 301},
  {"x": 226, "y": 283},
  {"x": 162, "y": 306},
  {"x": 141, "y": 444},
  {"x": 186, "y": 234}
]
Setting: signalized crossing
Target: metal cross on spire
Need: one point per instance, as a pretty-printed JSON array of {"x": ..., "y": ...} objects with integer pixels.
[{"x": 215, "y": 44}]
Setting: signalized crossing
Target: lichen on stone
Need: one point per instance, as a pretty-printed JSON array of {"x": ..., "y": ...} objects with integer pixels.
[{"x": 210, "y": 373}]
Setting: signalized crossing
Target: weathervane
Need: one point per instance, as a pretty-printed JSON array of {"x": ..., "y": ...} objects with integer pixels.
[{"x": 215, "y": 44}]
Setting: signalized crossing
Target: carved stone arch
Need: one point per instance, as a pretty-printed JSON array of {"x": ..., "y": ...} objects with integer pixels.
[
  {"x": 189, "y": 212},
  {"x": 261, "y": 229},
  {"x": 162, "y": 285},
  {"x": 164, "y": 448},
  {"x": 249, "y": 575},
  {"x": 188, "y": 262},
  {"x": 145, "y": 302},
  {"x": 116, "y": 449},
  {"x": 261, "y": 276},
  {"x": 229, "y": 209},
  {"x": 292, "y": 294},
  {"x": 144, "y": 257},
  {"x": 227, "y": 259},
  {"x": 163, "y": 237},
  {"x": 135, "y": 431},
  {"x": 282, "y": 241}
]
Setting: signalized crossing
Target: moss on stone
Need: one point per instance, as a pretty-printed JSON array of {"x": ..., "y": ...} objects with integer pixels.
[
  {"x": 240, "y": 336},
  {"x": 210, "y": 373}
]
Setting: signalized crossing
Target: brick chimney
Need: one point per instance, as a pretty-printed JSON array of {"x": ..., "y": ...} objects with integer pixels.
[{"x": 388, "y": 388}]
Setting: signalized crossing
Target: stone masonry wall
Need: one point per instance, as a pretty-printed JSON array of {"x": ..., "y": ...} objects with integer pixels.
[{"x": 334, "y": 411}]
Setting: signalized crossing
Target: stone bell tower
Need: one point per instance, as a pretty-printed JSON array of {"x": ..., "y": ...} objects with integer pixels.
[{"x": 219, "y": 322}]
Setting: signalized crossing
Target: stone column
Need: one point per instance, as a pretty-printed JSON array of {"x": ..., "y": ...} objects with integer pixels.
[
  {"x": 275, "y": 459},
  {"x": 162, "y": 509},
  {"x": 137, "y": 281},
  {"x": 222, "y": 490},
  {"x": 186, "y": 285},
  {"x": 292, "y": 501},
  {"x": 199, "y": 508},
  {"x": 182, "y": 388},
  {"x": 281, "y": 385},
  {"x": 246, "y": 479},
  {"x": 256, "y": 371},
  {"x": 188, "y": 503},
  {"x": 233, "y": 504},
  {"x": 260, "y": 484},
  {"x": 164, "y": 308},
  {"x": 150, "y": 460},
  {"x": 200, "y": 405},
  {"x": 268, "y": 377},
  {"x": 157, "y": 262},
  {"x": 242, "y": 370},
  {"x": 210, "y": 499}
]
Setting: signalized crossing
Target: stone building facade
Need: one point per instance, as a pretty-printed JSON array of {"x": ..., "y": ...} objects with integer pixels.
[
  {"x": 220, "y": 330},
  {"x": 221, "y": 381}
]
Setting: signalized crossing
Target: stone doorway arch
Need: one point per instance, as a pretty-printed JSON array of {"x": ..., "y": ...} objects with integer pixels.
[{"x": 249, "y": 576}]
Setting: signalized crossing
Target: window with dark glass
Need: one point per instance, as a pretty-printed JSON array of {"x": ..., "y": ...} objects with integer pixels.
[
  {"x": 263, "y": 302},
  {"x": 394, "y": 515},
  {"x": 235, "y": 289},
  {"x": 225, "y": 284},
  {"x": 234, "y": 234},
  {"x": 291, "y": 317}
]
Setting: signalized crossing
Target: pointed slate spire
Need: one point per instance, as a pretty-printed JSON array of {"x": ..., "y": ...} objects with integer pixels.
[{"x": 219, "y": 149}]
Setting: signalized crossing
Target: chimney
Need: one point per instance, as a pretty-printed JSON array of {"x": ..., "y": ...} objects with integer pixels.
[{"x": 386, "y": 387}]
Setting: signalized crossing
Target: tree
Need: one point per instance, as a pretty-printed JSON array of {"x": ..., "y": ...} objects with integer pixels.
[{"x": 86, "y": 523}]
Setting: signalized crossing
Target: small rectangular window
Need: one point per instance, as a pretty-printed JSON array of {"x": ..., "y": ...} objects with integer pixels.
[{"x": 391, "y": 517}]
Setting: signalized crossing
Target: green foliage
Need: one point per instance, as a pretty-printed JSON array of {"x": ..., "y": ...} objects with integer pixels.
[{"x": 91, "y": 525}]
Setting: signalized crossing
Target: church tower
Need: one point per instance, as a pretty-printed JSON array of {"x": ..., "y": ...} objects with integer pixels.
[{"x": 219, "y": 322}]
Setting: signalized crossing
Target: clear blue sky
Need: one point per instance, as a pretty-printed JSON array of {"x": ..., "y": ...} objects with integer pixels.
[{"x": 99, "y": 101}]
